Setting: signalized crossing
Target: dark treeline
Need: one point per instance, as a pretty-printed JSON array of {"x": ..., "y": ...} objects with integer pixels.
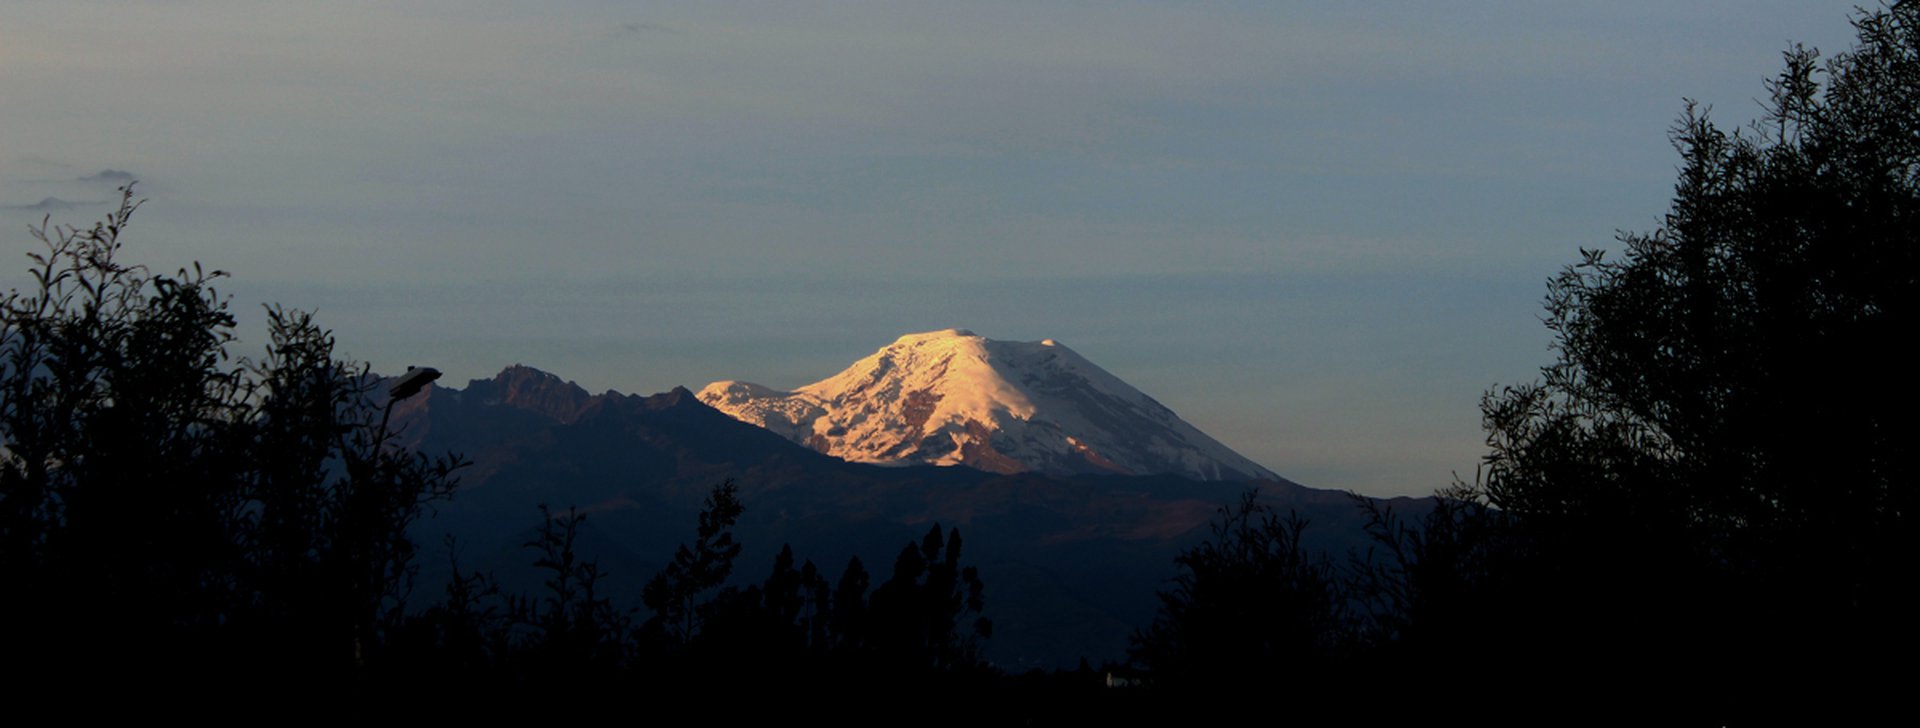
[
  {"x": 1701, "y": 513},
  {"x": 1703, "y": 510},
  {"x": 181, "y": 529},
  {"x": 794, "y": 634}
]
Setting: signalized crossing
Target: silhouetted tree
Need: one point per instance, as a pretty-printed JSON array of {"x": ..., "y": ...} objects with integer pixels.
[
  {"x": 579, "y": 628},
  {"x": 673, "y": 594},
  {"x": 113, "y": 379},
  {"x": 165, "y": 506},
  {"x": 1446, "y": 591},
  {"x": 1717, "y": 469},
  {"x": 463, "y": 637},
  {"x": 849, "y": 619},
  {"x": 1249, "y": 605},
  {"x": 797, "y": 605},
  {"x": 328, "y": 496},
  {"x": 917, "y": 618},
  {"x": 773, "y": 633}
]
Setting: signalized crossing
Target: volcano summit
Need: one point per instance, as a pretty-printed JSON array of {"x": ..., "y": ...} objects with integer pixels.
[{"x": 952, "y": 397}]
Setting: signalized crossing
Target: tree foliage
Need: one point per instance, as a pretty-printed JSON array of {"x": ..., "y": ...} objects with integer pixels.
[
  {"x": 159, "y": 498},
  {"x": 674, "y": 593},
  {"x": 917, "y": 618},
  {"x": 1723, "y": 441},
  {"x": 1733, "y": 360},
  {"x": 578, "y": 628},
  {"x": 1248, "y": 604}
]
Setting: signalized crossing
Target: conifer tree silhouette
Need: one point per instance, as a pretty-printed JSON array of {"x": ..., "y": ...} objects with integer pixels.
[{"x": 673, "y": 594}]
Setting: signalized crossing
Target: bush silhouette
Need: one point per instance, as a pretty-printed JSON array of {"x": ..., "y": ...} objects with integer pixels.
[
  {"x": 1249, "y": 605},
  {"x": 1716, "y": 467},
  {"x": 180, "y": 515}
]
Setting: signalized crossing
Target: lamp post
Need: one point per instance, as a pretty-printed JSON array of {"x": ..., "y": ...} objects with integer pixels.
[{"x": 409, "y": 384}]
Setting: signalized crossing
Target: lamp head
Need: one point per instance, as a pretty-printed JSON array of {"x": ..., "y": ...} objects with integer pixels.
[{"x": 412, "y": 382}]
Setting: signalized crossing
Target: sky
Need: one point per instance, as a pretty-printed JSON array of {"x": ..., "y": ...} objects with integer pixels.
[{"x": 1319, "y": 231}]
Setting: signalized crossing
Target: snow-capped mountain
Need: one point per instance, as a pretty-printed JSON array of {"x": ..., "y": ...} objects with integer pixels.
[{"x": 955, "y": 398}]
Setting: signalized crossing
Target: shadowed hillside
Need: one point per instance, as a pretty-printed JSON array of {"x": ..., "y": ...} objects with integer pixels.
[{"x": 1081, "y": 557}]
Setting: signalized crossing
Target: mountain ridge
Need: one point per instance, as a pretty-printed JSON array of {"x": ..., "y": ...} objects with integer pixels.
[{"x": 1072, "y": 563}]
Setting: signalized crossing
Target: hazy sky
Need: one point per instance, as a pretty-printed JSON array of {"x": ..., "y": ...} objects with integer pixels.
[{"x": 1318, "y": 231}]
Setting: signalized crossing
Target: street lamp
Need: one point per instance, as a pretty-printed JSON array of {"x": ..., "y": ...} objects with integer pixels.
[
  {"x": 407, "y": 385},
  {"x": 410, "y": 383}
]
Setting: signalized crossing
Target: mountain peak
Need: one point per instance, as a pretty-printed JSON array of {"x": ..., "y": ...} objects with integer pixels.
[
  {"x": 524, "y": 387},
  {"x": 941, "y": 335},
  {"x": 953, "y": 397}
]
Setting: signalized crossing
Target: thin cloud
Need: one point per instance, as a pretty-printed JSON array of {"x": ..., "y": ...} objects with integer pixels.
[
  {"x": 640, "y": 28},
  {"x": 108, "y": 176},
  {"x": 114, "y": 176}
]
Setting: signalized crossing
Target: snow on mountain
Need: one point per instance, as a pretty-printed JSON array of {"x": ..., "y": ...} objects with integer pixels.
[{"x": 955, "y": 398}]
